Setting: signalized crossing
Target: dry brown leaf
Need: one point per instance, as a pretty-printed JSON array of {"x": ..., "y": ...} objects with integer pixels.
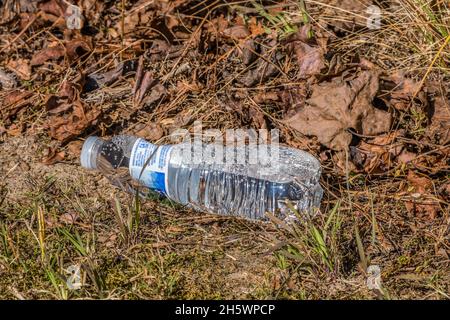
[
  {"x": 347, "y": 14},
  {"x": 237, "y": 32},
  {"x": 71, "y": 125},
  {"x": 62, "y": 102},
  {"x": 158, "y": 92},
  {"x": 76, "y": 49},
  {"x": 15, "y": 96},
  {"x": 440, "y": 121},
  {"x": 337, "y": 106},
  {"x": 68, "y": 90},
  {"x": 445, "y": 191},
  {"x": 247, "y": 50},
  {"x": 53, "y": 157},
  {"x": 98, "y": 80},
  {"x": 21, "y": 67},
  {"x": 74, "y": 148},
  {"x": 144, "y": 84},
  {"x": 92, "y": 10},
  {"x": 257, "y": 117},
  {"x": 265, "y": 68},
  {"x": 255, "y": 27},
  {"x": 421, "y": 201},
  {"x": 139, "y": 76},
  {"x": 13, "y": 102},
  {"x": 16, "y": 129},
  {"x": 139, "y": 15},
  {"x": 310, "y": 58},
  {"x": 406, "y": 157},
  {"x": 150, "y": 131},
  {"x": 50, "y": 53},
  {"x": 294, "y": 100},
  {"x": 54, "y": 7},
  {"x": 55, "y": 105},
  {"x": 216, "y": 25},
  {"x": 69, "y": 217},
  {"x": 404, "y": 91},
  {"x": 378, "y": 153},
  {"x": 266, "y": 96}
]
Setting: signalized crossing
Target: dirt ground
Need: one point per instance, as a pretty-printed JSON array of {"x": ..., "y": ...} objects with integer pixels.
[{"x": 365, "y": 90}]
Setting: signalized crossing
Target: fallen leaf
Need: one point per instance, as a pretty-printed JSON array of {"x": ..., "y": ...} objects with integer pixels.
[
  {"x": 68, "y": 90},
  {"x": 55, "y": 105},
  {"x": 403, "y": 92},
  {"x": 406, "y": 157},
  {"x": 294, "y": 100},
  {"x": 74, "y": 148},
  {"x": 21, "y": 67},
  {"x": 265, "y": 68},
  {"x": 247, "y": 51},
  {"x": 98, "y": 80},
  {"x": 53, "y": 157},
  {"x": 139, "y": 75},
  {"x": 255, "y": 27},
  {"x": 439, "y": 129},
  {"x": 16, "y": 129},
  {"x": 139, "y": 15},
  {"x": 158, "y": 92},
  {"x": 13, "y": 101},
  {"x": 62, "y": 101},
  {"x": 76, "y": 49},
  {"x": 50, "y": 53},
  {"x": 150, "y": 131},
  {"x": 310, "y": 58},
  {"x": 420, "y": 184},
  {"x": 266, "y": 96},
  {"x": 347, "y": 14},
  {"x": 257, "y": 117},
  {"x": 159, "y": 50},
  {"x": 70, "y": 125},
  {"x": 445, "y": 191},
  {"x": 69, "y": 218},
  {"x": 92, "y": 10},
  {"x": 421, "y": 200},
  {"x": 216, "y": 25},
  {"x": 237, "y": 32},
  {"x": 54, "y": 7},
  {"x": 145, "y": 83},
  {"x": 337, "y": 106},
  {"x": 378, "y": 153}
]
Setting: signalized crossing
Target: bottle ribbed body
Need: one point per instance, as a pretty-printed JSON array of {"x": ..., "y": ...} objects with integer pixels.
[{"x": 246, "y": 180}]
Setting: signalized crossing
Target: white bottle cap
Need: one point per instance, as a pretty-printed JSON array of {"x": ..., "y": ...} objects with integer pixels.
[{"x": 89, "y": 151}]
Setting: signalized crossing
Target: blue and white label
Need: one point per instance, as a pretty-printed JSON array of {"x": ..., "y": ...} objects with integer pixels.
[{"x": 155, "y": 161}]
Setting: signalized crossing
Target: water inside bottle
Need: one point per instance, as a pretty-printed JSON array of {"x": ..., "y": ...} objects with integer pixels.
[
  {"x": 245, "y": 189},
  {"x": 215, "y": 184}
]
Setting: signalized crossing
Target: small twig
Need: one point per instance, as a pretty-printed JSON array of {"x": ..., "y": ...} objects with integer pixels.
[
  {"x": 431, "y": 66},
  {"x": 22, "y": 32}
]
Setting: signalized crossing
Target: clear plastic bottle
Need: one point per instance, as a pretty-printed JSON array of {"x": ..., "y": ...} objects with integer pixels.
[{"x": 212, "y": 178}]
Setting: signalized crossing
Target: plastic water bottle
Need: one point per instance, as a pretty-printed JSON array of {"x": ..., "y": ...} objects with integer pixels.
[{"x": 213, "y": 182}]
